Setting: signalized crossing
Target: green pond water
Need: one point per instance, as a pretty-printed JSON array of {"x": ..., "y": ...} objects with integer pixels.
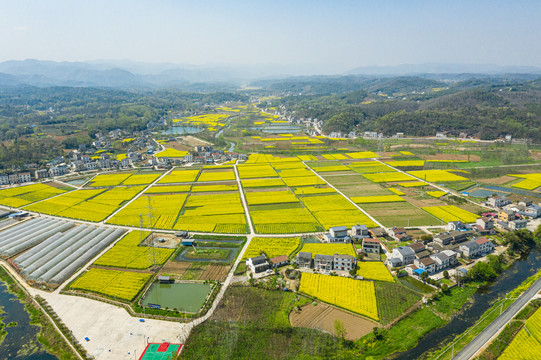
[{"x": 188, "y": 297}]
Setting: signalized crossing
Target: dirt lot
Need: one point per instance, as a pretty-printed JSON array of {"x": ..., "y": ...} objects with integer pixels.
[
  {"x": 322, "y": 317},
  {"x": 177, "y": 146},
  {"x": 175, "y": 268},
  {"x": 192, "y": 141},
  {"x": 451, "y": 157},
  {"x": 215, "y": 272},
  {"x": 499, "y": 180},
  {"x": 170, "y": 241}
]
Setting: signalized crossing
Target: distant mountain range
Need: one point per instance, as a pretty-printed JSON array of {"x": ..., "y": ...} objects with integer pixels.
[
  {"x": 145, "y": 76},
  {"x": 434, "y": 68}
]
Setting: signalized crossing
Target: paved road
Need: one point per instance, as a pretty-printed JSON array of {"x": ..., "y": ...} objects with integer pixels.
[{"x": 491, "y": 330}]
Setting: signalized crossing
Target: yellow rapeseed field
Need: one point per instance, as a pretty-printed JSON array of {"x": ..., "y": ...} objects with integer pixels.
[{"x": 355, "y": 295}]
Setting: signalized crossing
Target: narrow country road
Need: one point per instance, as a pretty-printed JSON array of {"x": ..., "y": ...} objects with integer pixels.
[{"x": 494, "y": 328}]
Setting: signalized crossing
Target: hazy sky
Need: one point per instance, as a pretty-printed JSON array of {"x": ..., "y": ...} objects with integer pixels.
[{"x": 330, "y": 35}]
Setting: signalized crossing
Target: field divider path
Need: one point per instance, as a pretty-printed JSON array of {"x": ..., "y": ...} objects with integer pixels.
[
  {"x": 137, "y": 196},
  {"x": 225, "y": 285},
  {"x": 243, "y": 199},
  {"x": 341, "y": 193},
  {"x": 434, "y": 185}
]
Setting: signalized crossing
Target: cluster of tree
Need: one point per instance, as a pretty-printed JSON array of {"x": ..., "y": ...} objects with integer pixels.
[
  {"x": 489, "y": 270},
  {"x": 521, "y": 241},
  {"x": 488, "y": 111},
  {"x": 31, "y": 151}
]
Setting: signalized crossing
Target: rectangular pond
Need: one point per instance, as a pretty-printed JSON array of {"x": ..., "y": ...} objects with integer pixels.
[{"x": 188, "y": 297}]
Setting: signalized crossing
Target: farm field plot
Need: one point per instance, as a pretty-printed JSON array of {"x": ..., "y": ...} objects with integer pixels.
[
  {"x": 215, "y": 272},
  {"x": 222, "y": 213},
  {"x": 323, "y": 316},
  {"x": 102, "y": 205},
  {"x": 270, "y": 197},
  {"x": 362, "y": 155},
  {"x": 335, "y": 157},
  {"x": 272, "y": 246},
  {"x": 307, "y": 157},
  {"x": 207, "y": 175},
  {"x": 436, "y": 193},
  {"x": 263, "y": 183},
  {"x": 345, "y": 179},
  {"x": 449, "y": 213},
  {"x": 400, "y": 214},
  {"x": 310, "y": 190},
  {"x": 124, "y": 285},
  {"x": 406, "y": 163},
  {"x": 394, "y": 299},
  {"x": 256, "y": 171},
  {"x": 57, "y": 204},
  {"x": 109, "y": 179},
  {"x": 165, "y": 210},
  {"x": 140, "y": 179},
  {"x": 331, "y": 168},
  {"x": 24, "y": 195},
  {"x": 214, "y": 188},
  {"x": 377, "y": 199},
  {"x": 297, "y": 172},
  {"x": 283, "y": 219},
  {"x": 369, "y": 167},
  {"x": 171, "y": 153},
  {"x": 412, "y": 184},
  {"x": 329, "y": 249},
  {"x": 179, "y": 176},
  {"x": 128, "y": 254},
  {"x": 355, "y": 295},
  {"x": 392, "y": 176},
  {"x": 396, "y": 191},
  {"x": 527, "y": 343},
  {"x": 531, "y": 182},
  {"x": 374, "y": 270},
  {"x": 303, "y": 181},
  {"x": 335, "y": 210},
  {"x": 163, "y": 189},
  {"x": 436, "y": 175}
]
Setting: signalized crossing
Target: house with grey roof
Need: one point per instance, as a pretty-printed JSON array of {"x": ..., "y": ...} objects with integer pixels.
[
  {"x": 304, "y": 260},
  {"x": 258, "y": 264},
  {"x": 323, "y": 262},
  {"x": 441, "y": 260},
  {"x": 344, "y": 262},
  {"x": 469, "y": 249}
]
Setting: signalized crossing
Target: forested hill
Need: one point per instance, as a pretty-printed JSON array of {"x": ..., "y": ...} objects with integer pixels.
[{"x": 487, "y": 108}]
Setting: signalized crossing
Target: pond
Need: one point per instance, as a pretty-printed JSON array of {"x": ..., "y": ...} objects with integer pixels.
[
  {"x": 281, "y": 129},
  {"x": 21, "y": 341},
  {"x": 79, "y": 181},
  {"x": 179, "y": 130},
  {"x": 188, "y": 297},
  {"x": 482, "y": 300}
]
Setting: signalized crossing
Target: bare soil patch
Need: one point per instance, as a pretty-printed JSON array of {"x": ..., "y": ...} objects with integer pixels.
[
  {"x": 175, "y": 268},
  {"x": 215, "y": 272},
  {"x": 190, "y": 140},
  {"x": 499, "y": 180},
  {"x": 451, "y": 157},
  {"x": 322, "y": 317}
]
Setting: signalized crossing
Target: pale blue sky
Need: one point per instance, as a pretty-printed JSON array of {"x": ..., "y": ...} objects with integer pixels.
[{"x": 329, "y": 35}]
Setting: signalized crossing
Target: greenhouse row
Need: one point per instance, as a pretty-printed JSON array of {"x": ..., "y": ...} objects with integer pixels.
[
  {"x": 23, "y": 236},
  {"x": 61, "y": 255}
]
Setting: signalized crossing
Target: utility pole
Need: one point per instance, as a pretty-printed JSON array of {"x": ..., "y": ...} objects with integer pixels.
[{"x": 151, "y": 223}]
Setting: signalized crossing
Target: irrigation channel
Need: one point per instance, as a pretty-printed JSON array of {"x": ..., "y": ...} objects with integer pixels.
[
  {"x": 482, "y": 300},
  {"x": 21, "y": 341}
]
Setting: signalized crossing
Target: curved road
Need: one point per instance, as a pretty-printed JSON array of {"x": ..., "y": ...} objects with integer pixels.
[{"x": 494, "y": 328}]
